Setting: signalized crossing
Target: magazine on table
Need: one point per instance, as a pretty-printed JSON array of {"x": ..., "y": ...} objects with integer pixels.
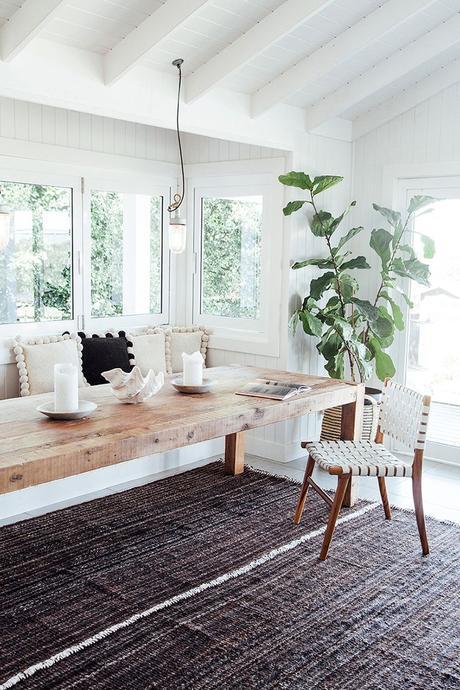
[{"x": 276, "y": 390}]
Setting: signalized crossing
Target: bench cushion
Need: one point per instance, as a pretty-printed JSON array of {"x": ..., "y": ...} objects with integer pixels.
[{"x": 36, "y": 358}]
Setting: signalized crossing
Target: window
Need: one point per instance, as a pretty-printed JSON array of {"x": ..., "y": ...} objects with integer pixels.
[
  {"x": 126, "y": 254},
  {"x": 82, "y": 253},
  {"x": 429, "y": 356},
  {"x": 231, "y": 256},
  {"x": 237, "y": 246},
  {"x": 36, "y": 255}
]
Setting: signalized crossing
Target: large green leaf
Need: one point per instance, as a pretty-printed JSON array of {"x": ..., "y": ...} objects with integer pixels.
[
  {"x": 321, "y": 263},
  {"x": 330, "y": 344},
  {"x": 323, "y": 182},
  {"x": 321, "y": 223},
  {"x": 413, "y": 269},
  {"x": 296, "y": 179},
  {"x": 336, "y": 221},
  {"x": 318, "y": 286},
  {"x": 362, "y": 358},
  {"x": 366, "y": 309},
  {"x": 398, "y": 317},
  {"x": 342, "y": 326},
  {"x": 294, "y": 321},
  {"x": 335, "y": 366},
  {"x": 380, "y": 242},
  {"x": 393, "y": 217},
  {"x": 293, "y": 206},
  {"x": 348, "y": 236},
  {"x": 311, "y": 324},
  {"x": 418, "y": 202},
  {"x": 348, "y": 287},
  {"x": 383, "y": 326},
  {"x": 407, "y": 300},
  {"x": 357, "y": 262},
  {"x": 428, "y": 246},
  {"x": 384, "y": 366}
]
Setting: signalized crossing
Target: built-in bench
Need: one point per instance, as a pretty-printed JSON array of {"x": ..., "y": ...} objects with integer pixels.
[{"x": 159, "y": 348}]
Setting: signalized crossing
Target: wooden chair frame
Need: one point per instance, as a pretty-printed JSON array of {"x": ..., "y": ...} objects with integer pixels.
[{"x": 343, "y": 480}]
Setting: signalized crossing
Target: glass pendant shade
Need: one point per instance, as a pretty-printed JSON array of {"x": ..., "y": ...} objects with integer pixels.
[
  {"x": 5, "y": 218},
  {"x": 177, "y": 234}
]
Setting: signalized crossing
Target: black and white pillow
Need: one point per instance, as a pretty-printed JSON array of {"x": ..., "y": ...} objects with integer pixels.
[{"x": 102, "y": 352}]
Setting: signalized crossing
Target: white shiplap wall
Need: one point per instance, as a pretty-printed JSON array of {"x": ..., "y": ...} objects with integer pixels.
[{"x": 46, "y": 125}]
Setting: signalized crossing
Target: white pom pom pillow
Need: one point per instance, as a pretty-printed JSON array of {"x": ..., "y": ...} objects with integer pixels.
[
  {"x": 36, "y": 358},
  {"x": 152, "y": 350},
  {"x": 187, "y": 339}
]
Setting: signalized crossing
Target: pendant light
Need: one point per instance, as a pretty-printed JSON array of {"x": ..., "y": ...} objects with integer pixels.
[
  {"x": 177, "y": 224},
  {"x": 5, "y": 220}
]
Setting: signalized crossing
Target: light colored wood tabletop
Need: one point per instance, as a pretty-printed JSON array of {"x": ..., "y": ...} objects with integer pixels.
[{"x": 34, "y": 449}]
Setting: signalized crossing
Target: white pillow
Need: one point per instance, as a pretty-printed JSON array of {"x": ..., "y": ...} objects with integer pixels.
[
  {"x": 152, "y": 350},
  {"x": 36, "y": 358},
  {"x": 187, "y": 340}
]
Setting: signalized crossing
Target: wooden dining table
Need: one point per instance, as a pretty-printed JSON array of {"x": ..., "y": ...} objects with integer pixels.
[{"x": 35, "y": 449}]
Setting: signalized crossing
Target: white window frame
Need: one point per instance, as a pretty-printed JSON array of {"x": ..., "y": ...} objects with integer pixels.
[
  {"x": 134, "y": 184},
  {"x": 12, "y": 170},
  {"x": 444, "y": 185},
  {"x": 66, "y": 167},
  {"x": 249, "y": 178}
]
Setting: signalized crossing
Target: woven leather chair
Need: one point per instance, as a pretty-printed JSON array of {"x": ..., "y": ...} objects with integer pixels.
[{"x": 403, "y": 418}]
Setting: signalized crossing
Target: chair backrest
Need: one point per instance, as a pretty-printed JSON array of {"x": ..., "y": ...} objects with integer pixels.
[{"x": 404, "y": 415}]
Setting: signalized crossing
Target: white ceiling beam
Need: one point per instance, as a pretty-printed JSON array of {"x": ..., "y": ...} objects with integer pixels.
[
  {"x": 25, "y": 24},
  {"x": 284, "y": 19},
  {"x": 311, "y": 68},
  {"x": 144, "y": 37},
  {"x": 398, "y": 65},
  {"x": 397, "y": 105}
]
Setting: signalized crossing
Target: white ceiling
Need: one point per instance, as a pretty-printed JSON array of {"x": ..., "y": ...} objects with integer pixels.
[{"x": 98, "y": 26}]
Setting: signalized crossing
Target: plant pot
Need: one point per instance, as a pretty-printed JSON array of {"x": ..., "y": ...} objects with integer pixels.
[{"x": 332, "y": 418}]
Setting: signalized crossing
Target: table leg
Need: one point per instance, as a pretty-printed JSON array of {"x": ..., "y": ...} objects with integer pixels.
[
  {"x": 352, "y": 424},
  {"x": 234, "y": 453}
]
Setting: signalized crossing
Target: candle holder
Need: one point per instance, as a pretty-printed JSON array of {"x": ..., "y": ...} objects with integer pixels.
[{"x": 181, "y": 387}]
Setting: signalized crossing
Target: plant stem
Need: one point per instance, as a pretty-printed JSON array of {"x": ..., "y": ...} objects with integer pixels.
[
  {"x": 382, "y": 283},
  {"x": 339, "y": 294}
]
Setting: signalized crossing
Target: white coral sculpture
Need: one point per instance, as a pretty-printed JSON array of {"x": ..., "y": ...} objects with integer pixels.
[{"x": 132, "y": 387}]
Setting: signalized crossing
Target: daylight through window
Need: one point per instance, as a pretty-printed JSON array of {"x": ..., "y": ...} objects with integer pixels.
[
  {"x": 36, "y": 256},
  {"x": 231, "y": 256},
  {"x": 126, "y": 254}
]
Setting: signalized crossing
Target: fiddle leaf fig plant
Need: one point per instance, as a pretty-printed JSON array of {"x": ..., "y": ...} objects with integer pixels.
[{"x": 352, "y": 330}]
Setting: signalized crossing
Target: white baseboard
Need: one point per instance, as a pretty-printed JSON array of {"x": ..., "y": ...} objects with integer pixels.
[{"x": 271, "y": 450}]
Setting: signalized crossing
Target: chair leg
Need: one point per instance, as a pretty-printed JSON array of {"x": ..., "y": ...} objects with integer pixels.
[
  {"x": 384, "y": 496},
  {"x": 333, "y": 515},
  {"x": 418, "y": 505},
  {"x": 304, "y": 490}
]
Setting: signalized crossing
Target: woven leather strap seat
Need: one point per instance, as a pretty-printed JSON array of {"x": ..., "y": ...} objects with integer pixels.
[
  {"x": 403, "y": 418},
  {"x": 358, "y": 458}
]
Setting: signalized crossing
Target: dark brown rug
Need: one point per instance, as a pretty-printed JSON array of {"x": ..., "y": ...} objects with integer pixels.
[{"x": 202, "y": 581}]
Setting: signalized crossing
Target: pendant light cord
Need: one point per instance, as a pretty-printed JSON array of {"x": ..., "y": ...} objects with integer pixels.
[{"x": 178, "y": 198}]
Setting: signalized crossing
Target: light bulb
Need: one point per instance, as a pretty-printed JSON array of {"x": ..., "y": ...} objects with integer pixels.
[{"x": 177, "y": 234}]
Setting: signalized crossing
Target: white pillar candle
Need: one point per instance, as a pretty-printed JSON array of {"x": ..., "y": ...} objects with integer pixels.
[
  {"x": 193, "y": 369},
  {"x": 65, "y": 388}
]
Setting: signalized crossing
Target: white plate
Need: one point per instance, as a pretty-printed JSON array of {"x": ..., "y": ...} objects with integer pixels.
[
  {"x": 84, "y": 410},
  {"x": 205, "y": 387}
]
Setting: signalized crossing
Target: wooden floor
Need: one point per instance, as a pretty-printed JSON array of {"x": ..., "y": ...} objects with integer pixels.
[{"x": 441, "y": 487}]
